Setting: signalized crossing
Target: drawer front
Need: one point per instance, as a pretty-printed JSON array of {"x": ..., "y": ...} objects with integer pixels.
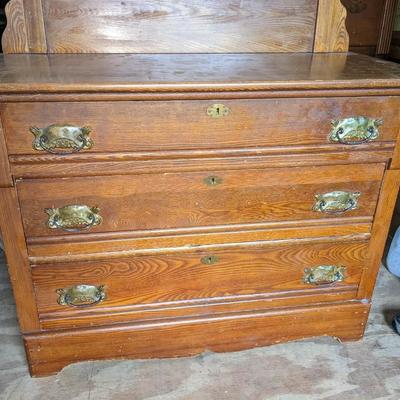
[
  {"x": 240, "y": 272},
  {"x": 184, "y": 125},
  {"x": 196, "y": 200}
]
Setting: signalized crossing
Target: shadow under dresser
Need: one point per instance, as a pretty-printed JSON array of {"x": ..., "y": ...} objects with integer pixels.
[{"x": 161, "y": 205}]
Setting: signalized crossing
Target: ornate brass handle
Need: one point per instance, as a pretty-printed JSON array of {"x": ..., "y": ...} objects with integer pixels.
[
  {"x": 337, "y": 202},
  {"x": 324, "y": 274},
  {"x": 62, "y": 139},
  {"x": 81, "y": 295},
  {"x": 356, "y": 130},
  {"x": 73, "y": 218}
]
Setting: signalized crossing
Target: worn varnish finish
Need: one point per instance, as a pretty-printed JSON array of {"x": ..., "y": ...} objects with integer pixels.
[
  {"x": 176, "y": 27},
  {"x": 12, "y": 234},
  {"x": 149, "y": 202},
  {"x": 185, "y": 125},
  {"x": 51, "y": 352},
  {"x": 49, "y": 250},
  {"x": 207, "y": 223},
  {"x": 110, "y": 76},
  {"x": 176, "y": 278}
]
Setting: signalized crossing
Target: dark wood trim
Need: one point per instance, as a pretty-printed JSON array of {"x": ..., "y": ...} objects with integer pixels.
[{"x": 386, "y": 27}]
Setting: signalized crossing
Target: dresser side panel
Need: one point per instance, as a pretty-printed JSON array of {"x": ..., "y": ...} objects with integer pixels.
[{"x": 17, "y": 260}]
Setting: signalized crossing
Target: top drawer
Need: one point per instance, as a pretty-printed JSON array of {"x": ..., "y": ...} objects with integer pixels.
[{"x": 135, "y": 126}]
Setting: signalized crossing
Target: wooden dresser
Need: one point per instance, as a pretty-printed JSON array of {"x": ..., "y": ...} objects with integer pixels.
[{"x": 189, "y": 175}]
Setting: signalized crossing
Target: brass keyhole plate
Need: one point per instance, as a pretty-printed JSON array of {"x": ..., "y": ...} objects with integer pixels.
[
  {"x": 218, "y": 111},
  {"x": 209, "y": 260},
  {"x": 212, "y": 180}
]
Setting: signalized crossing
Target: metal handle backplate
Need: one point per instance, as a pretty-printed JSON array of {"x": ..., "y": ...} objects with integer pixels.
[
  {"x": 62, "y": 139},
  {"x": 337, "y": 202},
  {"x": 81, "y": 295},
  {"x": 355, "y": 130},
  {"x": 324, "y": 274},
  {"x": 73, "y": 218}
]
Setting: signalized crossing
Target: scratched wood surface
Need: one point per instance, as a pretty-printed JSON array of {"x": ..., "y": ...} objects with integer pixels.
[
  {"x": 178, "y": 277},
  {"x": 165, "y": 126},
  {"x": 49, "y": 352},
  {"x": 175, "y": 73},
  {"x": 183, "y": 200}
]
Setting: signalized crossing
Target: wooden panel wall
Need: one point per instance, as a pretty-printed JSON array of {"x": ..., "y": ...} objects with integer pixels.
[
  {"x": 180, "y": 26},
  {"x": 370, "y": 25}
]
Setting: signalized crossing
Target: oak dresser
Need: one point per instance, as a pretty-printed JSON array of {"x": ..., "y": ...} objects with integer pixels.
[{"x": 189, "y": 175}]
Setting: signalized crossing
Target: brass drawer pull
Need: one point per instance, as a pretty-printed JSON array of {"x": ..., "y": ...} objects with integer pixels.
[
  {"x": 62, "y": 139},
  {"x": 337, "y": 202},
  {"x": 81, "y": 295},
  {"x": 209, "y": 260},
  {"x": 356, "y": 130},
  {"x": 218, "y": 111},
  {"x": 73, "y": 218},
  {"x": 324, "y": 274}
]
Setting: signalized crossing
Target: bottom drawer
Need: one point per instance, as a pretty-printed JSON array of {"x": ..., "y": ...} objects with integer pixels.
[{"x": 201, "y": 277}]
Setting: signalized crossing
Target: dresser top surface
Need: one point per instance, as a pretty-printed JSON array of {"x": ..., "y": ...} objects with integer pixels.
[{"x": 27, "y": 73}]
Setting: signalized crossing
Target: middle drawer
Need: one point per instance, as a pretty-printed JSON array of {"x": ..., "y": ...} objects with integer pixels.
[{"x": 174, "y": 201}]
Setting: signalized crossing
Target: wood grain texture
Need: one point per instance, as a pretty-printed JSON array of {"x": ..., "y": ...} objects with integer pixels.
[
  {"x": 17, "y": 259},
  {"x": 363, "y": 19},
  {"x": 15, "y": 37},
  {"x": 195, "y": 308},
  {"x": 79, "y": 74},
  {"x": 380, "y": 229},
  {"x": 386, "y": 27},
  {"x": 99, "y": 248},
  {"x": 331, "y": 33},
  {"x": 175, "y": 278},
  {"x": 28, "y": 167},
  {"x": 155, "y": 145},
  {"x": 180, "y": 26},
  {"x": 25, "y": 31},
  {"x": 48, "y": 353},
  {"x": 183, "y": 200},
  {"x": 158, "y": 126},
  {"x": 244, "y": 92},
  {"x": 133, "y": 26},
  {"x": 5, "y": 172}
]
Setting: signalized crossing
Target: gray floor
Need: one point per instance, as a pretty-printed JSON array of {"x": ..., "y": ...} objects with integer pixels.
[{"x": 308, "y": 370}]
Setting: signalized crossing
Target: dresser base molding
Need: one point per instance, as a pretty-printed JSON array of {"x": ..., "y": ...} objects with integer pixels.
[{"x": 48, "y": 353}]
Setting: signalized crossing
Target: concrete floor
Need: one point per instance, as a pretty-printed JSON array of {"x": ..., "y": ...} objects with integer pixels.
[{"x": 315, "y": 369}]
